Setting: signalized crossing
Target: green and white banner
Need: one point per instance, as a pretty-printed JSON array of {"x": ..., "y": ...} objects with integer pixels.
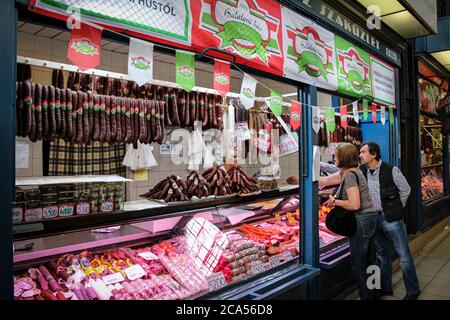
[
  {"x": 140, "y": 61},
  {"x": 276, "y": 102},
  {"x": 309, "y": 51},
  {"x": 247, "y": 95},
  {"x": 185, "y": 70},
  {"x": 330, "y": 120},
  {"x": 353, "y": 69}
]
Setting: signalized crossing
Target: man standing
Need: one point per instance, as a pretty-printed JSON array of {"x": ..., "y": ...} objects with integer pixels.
[{"x": 389, "y": 191}]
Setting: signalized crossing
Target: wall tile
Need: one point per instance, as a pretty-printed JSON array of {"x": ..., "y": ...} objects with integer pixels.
[
  {"x": 43, "y": 45},
  {"x": 25, "y": 41},
  {"x": 105, "y": 57},
  {"x": 37, "y": 168},
  {"x": 59, "y": 48}
]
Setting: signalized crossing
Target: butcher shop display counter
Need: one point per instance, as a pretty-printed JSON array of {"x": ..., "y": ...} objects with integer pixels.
[{"x": 225, "y": 251}]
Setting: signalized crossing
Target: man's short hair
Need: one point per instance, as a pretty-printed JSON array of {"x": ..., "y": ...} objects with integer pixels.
[{"x": 374, "y": 149}]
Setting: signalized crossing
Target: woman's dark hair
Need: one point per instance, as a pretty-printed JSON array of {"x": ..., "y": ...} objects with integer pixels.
[
  {"x": 374, "y": 149},
  {"x": 348, "y": 155}
]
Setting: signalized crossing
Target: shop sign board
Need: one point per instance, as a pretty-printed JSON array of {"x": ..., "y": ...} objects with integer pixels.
[{"x": 383, "y": 77}]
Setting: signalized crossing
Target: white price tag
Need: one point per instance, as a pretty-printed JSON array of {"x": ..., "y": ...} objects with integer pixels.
[
  {"x": 50, "y": 212},
  {"x": 33, "y": 214},
  {"x": 216, "y": 281},
  {"x": 287, "y": 145},
  {"x": 262, "y": 144},
  {"x": 165, "y": 148},
  {"x": 66, "y": 210},
  {"x": 134, "y": 272},
  {"x": 274, "y": 261},
  {"x": 242, "y": 131},
  {"x": 83, "y": 208},
  {"x": 107, "y": 206},
  {"x": 148, "y": 256},
  {"x": 113, "y": 278},
  {"x": 77, "y": 277},
  {"x": 287, "y": 256},
  {"x": 17, "y": 215},
  {"x": 257, "y": 267}
]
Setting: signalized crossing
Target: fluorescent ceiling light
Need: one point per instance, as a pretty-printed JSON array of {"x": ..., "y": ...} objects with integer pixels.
[
  {"x": 405, "y": 24},
  {"x": 443, "y": 57},
  {"x": 386, "y": 6}
]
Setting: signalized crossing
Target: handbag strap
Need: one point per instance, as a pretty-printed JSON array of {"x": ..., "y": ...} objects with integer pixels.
[{"x": 341, "y": 187}]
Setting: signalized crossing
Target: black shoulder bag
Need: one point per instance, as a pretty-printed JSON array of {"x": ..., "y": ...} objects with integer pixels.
[{"x": 342, "y": 221}]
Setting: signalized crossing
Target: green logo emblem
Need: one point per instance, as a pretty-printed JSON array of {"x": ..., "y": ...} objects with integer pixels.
[
  {"x": 85, "y": 46},
  {"x": 185, "y": 71},
  {"x": 140, "y": 63},
  {"x": 222, "y": 78}
]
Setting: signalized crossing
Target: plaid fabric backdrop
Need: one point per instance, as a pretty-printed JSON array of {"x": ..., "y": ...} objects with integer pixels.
[{"x": 78, "y": 159}]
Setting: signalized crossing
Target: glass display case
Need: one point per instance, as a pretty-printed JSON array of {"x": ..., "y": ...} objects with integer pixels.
[
  {"x": 183, "y": 255},
  {"x": 431, "y": 158}
]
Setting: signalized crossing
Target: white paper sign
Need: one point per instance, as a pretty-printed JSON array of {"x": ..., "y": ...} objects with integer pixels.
[
  {"x": 316, "y": 163},
  {"x": 316, "y": 119},
  {"x": 216, "y": 281},
  {"x": 134, "y": 272},
  {"x": 106, "y": 206},
  {"x": 383, "y": 81},
  {"x": 140, "y": 61},
  {"x": 113, "y": 278},
  {"x": 17, "y": 215},
  {"x": 274, "y": 261},
  {"x": 247, "y": 95},
  {"x": 355, "y": 111},
  {"x": 83, "y": 208},
  {"x": 66, "y": 210},
  {"x": 165, "y": 149},
  {"x": 287, "y": 145},
  {"x": 383, "y": 114},
  {"x": 148, "y": 256},
  {"x": 33, "y": 214},
  {"x": 22, "y": 155},
  {"x": 50, "y": 212},
  {"x": 242, "y": 131},
  {"x": 257, "y": 267},
  {"x": 235, "y": 215}
]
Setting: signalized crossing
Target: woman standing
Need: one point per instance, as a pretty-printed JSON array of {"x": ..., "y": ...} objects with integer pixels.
[{"x": 355, "y": 197}]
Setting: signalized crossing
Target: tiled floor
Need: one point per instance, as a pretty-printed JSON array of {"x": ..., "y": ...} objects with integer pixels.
[{"x": 433, "y": 271}]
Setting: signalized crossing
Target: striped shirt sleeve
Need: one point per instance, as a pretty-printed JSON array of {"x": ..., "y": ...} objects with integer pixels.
[{"x": 402, "y": 185}]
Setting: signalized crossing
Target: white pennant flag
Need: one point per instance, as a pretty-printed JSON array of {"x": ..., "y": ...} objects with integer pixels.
[
  {"x": 316, "y": 119},
  {"x": 355, "y": 111},
  {"x": 383, "y": 114},
  {"x": 247, "y": 95},
  {"x": 140, "y": 61}
]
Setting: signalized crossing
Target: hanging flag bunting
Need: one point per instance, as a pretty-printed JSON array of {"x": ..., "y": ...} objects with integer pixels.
[
  {"x": 185, "y": 70},
  {"x": 391, "y": 115},
  {"x": 316, "y": 119},
  {"x": 84, "y": 46},
  {"x": 330, "y": 121},
  {"x": 383, "y": 114},
  {"x": 374, "y": 113},
  {"x": 221, "y": 77},
  {"x": 248, "y": 88},
  {"x": 296, "y": 114},
  {"x": 140, "y": 61},
  {"x": 343, "y": 114},
  {"x": 275, "y": 102},
  {"x": 365, "y": 109},
  {"x": 355, "y": 111}
]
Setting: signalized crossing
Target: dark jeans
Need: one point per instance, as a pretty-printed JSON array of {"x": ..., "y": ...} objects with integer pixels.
[
  {"x": 361, "y": 248},
  {"x": 395, "y": 233}
]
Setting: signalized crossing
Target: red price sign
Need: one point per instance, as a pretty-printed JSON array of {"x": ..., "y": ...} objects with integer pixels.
[
  {"x": 17, "y": 214},
  {"x": 33, "y": 214},
  {"x": 50, "y": 212},
  {"x": 106, "y": 206},
  {"x": 83, "y": 208}
]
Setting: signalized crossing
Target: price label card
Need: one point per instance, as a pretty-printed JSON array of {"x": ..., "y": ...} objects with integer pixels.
[
  {"x": 113, "y": 278},
  {"x": 148, "y": 256},
  {"x": 257, "y": 267},
  {"x": 17, "y": 215},
  {"x": 274, "y": 261},
  {"x": 242, "y": 131},
  {"x": 83, "y": 208},
  {"x": 106, "y": 206},
  {"x": 262, "y": 144},
  {"x": 165, "y": 148},
  {"x": 33, "y": 214},
  {"x": 66, "y": 210},
  {"x": 216, "y": 281},
  {"x": 287, "y": 256},
  {"x": 141, "y": 175},
  {"x": 287, "y": 145},
  {"x": 77, "y": 277},
  {"x": 134, "y": 272},
  {"x": 50, "y": 212}
]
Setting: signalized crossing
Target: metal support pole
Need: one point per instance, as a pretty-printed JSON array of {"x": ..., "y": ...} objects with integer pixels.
[{"x": 8, "y": 31}]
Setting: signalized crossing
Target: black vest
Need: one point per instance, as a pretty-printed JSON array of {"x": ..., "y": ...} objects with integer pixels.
[{"x": 390, "y": 197}]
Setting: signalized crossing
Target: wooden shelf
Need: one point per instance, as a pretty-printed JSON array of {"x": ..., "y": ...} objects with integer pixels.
[{"x": 431, "y": 166}]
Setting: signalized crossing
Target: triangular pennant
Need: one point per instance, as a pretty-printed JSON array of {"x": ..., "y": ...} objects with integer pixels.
[
  {"x": 248, "y": 88},
  {"x": 343, "y": 114},
  {"x": 185, "y": 70},
  {"x": 84, "y": 46},
  {"x": 355, "y": 111},
  {"x": 391, "y": 115},
  {"x": 275, "y": 102},
  {"x": 221, "y": 77},
  {"x": 374, "y": 113},
  {"x": 365, "y": 109},
  {"x": 330, "y": 121},
  {"x": 383, "y": 114},
  {"x": 296, "y": 115},
  {"x": 140, "y": 61},
  {"x": 316, "y": 119}
]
